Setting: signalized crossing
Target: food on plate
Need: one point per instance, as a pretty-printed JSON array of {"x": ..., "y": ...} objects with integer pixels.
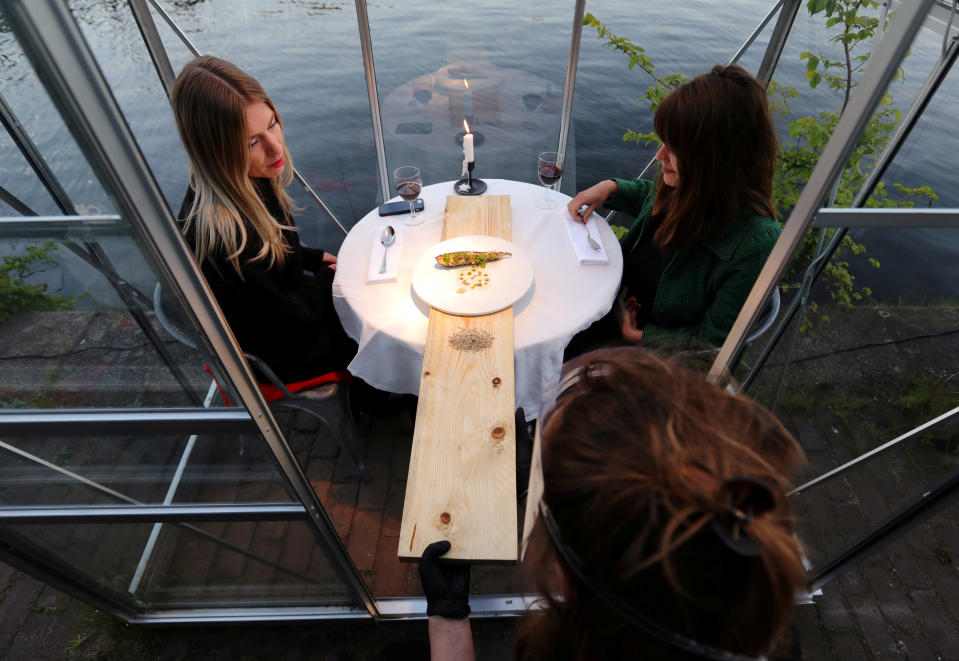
[
  {"x": 475, "y": 277},
  {"x": 469, "y": 258}
]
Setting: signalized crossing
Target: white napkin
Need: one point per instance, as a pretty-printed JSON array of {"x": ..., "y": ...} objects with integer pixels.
[
  {"x": 373, "y": 275},
  {"x": 577, "y": 237}
]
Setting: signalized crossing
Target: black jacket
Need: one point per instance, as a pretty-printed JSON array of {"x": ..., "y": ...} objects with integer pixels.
[{"x": 282, "y": 314}]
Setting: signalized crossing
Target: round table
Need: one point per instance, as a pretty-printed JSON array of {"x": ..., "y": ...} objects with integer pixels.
[{"x": 389, "y": 322}]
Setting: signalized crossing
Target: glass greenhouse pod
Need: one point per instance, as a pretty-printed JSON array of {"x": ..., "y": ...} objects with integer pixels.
[{"x": 143, "y": 470}]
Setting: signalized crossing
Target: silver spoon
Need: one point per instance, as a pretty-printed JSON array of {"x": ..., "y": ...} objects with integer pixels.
[
  {"x": 386, "y": 238},
  {"x": 593, "y": 243}
]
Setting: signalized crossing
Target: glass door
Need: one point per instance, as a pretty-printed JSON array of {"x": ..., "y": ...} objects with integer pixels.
[{"x": 140, "y": 468}]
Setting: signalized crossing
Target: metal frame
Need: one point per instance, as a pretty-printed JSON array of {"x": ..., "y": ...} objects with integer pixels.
[
  {"x": 149, "y": 514},
  {"x": 70, "y": 74},
  {"x": 366, "y": 44},
  {"x": 923, "y": 97},
  {"x": 914, "y": 512},
  {"x": 861, "y": 217},
  {"x": 154, "y": 44},
  {"x": 114, "y": 495},
  {"x": 835, "y": 472},
  {"x": 64, "y": 228},
  {"x": 777, "y": 41},
  {"x": 91, "y": 252},
  {"x": 76, "y": 422},
  {"x": 759, "y": 28},
  {"x": 882, "y": 66},
  {"x": 158, "y": 54},
  {"x": 572, "y": 65}
]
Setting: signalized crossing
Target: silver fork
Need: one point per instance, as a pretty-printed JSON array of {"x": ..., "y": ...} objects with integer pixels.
[{"x": 593, "y": 243}]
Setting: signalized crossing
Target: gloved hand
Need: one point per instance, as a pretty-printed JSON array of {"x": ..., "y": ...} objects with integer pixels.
[{"x": 446, "y": 585}]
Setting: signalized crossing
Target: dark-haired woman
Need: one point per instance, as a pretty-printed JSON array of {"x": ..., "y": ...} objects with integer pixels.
[
  {"x": 275, "y": 292},
  {"x": 704, "y": 228}
]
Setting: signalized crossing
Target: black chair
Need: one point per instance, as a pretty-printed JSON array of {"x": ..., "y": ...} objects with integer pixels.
[{"x": 328, "y": 399}]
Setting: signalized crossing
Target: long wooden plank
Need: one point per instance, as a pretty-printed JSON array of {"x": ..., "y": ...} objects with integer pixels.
[{"x": 462, "y": 478}]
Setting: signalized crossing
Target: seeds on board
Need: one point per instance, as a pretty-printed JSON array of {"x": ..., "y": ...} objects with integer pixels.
[{"x": 471, "y": 339}]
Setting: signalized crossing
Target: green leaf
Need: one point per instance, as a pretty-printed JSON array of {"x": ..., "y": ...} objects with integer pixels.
[
  {"x": 812, "y": 63},
  {"x": 815, "y": 80}
]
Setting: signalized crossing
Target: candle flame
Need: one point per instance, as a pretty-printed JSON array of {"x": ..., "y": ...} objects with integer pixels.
[
  {"x": 466, "y": 126},
  {"x": 466, "y": 83}
]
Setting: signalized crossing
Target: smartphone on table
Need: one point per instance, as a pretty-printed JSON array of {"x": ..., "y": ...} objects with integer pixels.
[{"x": 394, "y": 208}]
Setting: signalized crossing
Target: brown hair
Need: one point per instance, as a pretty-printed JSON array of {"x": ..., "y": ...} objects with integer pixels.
[
  {"x": 720, "y": 129},
  {"x": 209, "y": 98},
  {"x": 632, "y": 455}
]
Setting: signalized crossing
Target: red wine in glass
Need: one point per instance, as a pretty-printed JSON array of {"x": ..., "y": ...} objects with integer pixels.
[
  {"x": 549, "y": 170},
  {"x": 549, "y": 174},
  {"x": 409, "y": 183},
  {"x": 409, "y": 190}
]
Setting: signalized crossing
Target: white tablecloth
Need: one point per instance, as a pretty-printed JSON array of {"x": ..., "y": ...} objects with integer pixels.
[{"x": 389, "y": 322}]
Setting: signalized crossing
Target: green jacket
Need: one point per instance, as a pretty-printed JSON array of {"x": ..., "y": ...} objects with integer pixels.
[{"x": 702, "y": 288}]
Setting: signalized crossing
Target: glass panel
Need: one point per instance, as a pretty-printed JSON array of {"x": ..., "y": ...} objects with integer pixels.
[
  {"x": 88, "y": 337},
  {"x": 69, "y": 340},
  {"x": 233, "y": 565},
  {"x": 864, "y": 377},
  {"x": 40, "y": 120},
  {"x": 146, "y": 469},
  {"x": 609, "y": 98},
  {"x": 317, "y": 85},
  {"x": 502, "y": 67}
]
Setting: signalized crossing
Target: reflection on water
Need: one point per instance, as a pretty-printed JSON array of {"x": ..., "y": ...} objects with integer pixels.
[{"x": 307, "y": 54}]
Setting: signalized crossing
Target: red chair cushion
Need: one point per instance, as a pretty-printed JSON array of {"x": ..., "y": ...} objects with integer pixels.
[{"x": 272, "y": 393}]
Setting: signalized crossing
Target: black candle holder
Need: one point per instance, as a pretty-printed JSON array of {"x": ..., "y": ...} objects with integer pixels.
[{"x": 470, "y": 186}]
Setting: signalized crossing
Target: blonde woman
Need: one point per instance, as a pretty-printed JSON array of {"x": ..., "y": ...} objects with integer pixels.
[{"x": 274, "y": 291}]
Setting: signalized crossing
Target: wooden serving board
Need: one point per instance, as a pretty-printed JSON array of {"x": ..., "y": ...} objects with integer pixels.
[{"x": 462, "y": 479}]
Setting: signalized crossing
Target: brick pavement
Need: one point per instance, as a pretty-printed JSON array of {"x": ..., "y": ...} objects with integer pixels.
[{"x": 901, "y": 603}]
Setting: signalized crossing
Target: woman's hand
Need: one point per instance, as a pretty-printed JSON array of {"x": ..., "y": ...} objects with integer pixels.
[
  {"x": 626, "y": 310},
  {"x": 591, "y": 198},
  {"x": 329, "y": 260}
]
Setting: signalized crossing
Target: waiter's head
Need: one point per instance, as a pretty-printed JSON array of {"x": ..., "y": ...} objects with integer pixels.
[{"x": 665, "y": 494}]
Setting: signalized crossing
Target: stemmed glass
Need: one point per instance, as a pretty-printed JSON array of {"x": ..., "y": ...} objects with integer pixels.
[
  {"x": 549, "y": 171},
  {"x": 409, "y": 183}
]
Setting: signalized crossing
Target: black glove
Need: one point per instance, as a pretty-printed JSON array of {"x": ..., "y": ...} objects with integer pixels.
[
  {"x": 524, "y": 453},
  {"x": 446, "y": 585}
]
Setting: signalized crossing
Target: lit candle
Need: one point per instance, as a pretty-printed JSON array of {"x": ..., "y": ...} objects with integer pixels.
[{"x": 467, "y": 143}]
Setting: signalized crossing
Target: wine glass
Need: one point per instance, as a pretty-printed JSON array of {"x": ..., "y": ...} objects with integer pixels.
[
  {"x": 549, "y": 171},
  {"x": 409, "y": 183}
]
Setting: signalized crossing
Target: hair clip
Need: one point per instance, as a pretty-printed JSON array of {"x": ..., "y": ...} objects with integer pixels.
[{"x": 744, "y": 498}]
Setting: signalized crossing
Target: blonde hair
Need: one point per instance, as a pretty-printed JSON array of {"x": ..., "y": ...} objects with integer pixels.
[{"x": 209, "y": 99}]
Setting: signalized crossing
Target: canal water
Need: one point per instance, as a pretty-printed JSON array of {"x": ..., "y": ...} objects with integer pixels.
[{"x": 307, "y": 54}]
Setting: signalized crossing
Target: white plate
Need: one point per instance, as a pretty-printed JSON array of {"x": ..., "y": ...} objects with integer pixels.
[{"x": 510, "y": 277}]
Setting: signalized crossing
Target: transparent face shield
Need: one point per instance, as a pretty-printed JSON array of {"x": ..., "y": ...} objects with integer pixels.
[{"x": 537, "y": 507}]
